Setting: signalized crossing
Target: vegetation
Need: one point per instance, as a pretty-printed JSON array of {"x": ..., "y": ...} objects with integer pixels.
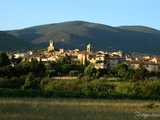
[
  {"x": 80, "y": 109},
  {"x": 151, "y": 105},
  {"x": 32, "y": 79},
  {"x": 4, "y": 60}
]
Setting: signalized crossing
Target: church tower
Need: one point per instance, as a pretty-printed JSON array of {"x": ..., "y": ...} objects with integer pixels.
[
  {"x": 89, "y": 48},
  {"x": 51, "y": 46}
]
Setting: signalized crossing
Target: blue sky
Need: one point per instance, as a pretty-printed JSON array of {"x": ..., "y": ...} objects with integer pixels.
[{"x": 18, "y": 14}]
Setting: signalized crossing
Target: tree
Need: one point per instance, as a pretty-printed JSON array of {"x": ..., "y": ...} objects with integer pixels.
[
  {"x": 4, "y": 60},
  {"x": 31, "y": 82},
  {"x": 129, "y": 74},
  {"x": 37, "y": 68},
  {"x": 67, "y": 68},
  {"x": 90, "y": 70},
  {"x": 51, "y": 73},
  {"x": 74, "y": 73},
  {"x": 141, "y": 72},
  {"x": 28, "y": 80},
  {"x": 6, "y": 72},
  {"x": 112, "y": 72},
  {"x": 121, "y": 69},
  {"x": 57, "y": 67},
  {"x": 102, "y": 72}
]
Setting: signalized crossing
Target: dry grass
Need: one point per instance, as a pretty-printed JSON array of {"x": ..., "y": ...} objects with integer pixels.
[{"x": 76, "y": 109}]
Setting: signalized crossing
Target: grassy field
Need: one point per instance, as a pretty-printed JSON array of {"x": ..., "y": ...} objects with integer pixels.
[{"x": 77, "y": 109}]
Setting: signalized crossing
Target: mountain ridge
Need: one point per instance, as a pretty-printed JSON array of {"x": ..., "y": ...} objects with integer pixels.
[{"x": 77, "y": 34}]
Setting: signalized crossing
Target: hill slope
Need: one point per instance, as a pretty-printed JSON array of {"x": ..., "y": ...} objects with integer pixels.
[
  {"x": 11, "y": 43},
  {"x": 77, "y": 34}
]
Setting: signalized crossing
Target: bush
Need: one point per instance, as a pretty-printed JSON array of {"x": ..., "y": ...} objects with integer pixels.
[
  {"x": 151, "y": 105},
  {"x": 51, "y": 73},
  {"x": 31, "y": 82},
  {"x": 74, "y": 73},
  {"x": 13, "y": 82},
  {"x": 84, "y": 87}
]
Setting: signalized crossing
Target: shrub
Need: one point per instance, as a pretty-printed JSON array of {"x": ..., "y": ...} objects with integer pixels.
[
  {"x": 31, "y": 82},
  {"x": 51, "y": 73},
  {"x": 13, "y": 82},
  {"x": 151, "y": 105},
  {"x": 74, "y": 73}
]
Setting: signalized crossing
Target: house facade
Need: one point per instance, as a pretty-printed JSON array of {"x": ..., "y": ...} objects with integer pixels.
[{"x": 149, "y": 65}]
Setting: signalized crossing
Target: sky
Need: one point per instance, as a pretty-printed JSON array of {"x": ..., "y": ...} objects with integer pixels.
[{"x": 19, "y": 14}]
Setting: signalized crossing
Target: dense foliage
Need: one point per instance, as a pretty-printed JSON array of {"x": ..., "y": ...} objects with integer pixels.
[
  {"x": 93, "y": 89},
  {"x": 4, "y": 60}
]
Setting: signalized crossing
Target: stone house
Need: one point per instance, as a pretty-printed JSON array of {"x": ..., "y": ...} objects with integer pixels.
[{"x": 149, "y": 65}]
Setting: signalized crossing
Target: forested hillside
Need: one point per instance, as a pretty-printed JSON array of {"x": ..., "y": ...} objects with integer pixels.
[
  {"x": 77, "y": 34},
  {"x": 11, "y": 43}
]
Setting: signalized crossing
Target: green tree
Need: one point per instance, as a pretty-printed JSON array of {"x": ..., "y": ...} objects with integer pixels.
[
  {"x": 57, "y": 67},
  {"x": 5, "y": 72},
  {"x": 4, "y": 60},
  {"x": 112, "y": 72},
  {"x": 51, "y": 73},
  {"x": 74, "y": 73},
  {"x": 141, "y": 72},
  {"x": 31, "y": 82},
  {"x": 90, "y": 70},
  {"x": 130, "y": 74},
  {"x": 28, "y": 80},
  {"x": 67, "y": 68},
  {"x": 37, "y": 68},
  {"x": 121, "y": 69},
  {"x": 44, "y": 82},
  {"x": 102, "y": 72}
]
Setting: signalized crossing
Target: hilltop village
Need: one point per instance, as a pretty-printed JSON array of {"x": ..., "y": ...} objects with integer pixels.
[
  {"x": 100, "y": 59},
  {"x": 53, "y": 72}
]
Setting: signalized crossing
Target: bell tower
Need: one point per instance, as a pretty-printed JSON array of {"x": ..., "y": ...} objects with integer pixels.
[
  {"x": 51, "y": 46},
  {"x": 51, "y": 43},
  {"x": 89, "y": 48}
]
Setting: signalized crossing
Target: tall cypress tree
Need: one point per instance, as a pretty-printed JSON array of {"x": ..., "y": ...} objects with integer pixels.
[{"x": 4, "y": 60}]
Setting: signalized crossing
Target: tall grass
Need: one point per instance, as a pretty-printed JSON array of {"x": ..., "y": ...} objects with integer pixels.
[{"x": 74, "y": 109}]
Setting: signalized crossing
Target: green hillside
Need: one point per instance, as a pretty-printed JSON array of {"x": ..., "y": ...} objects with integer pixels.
[
  {"x": 11, "y": 43},
  {"x": 77, "y": 34}
]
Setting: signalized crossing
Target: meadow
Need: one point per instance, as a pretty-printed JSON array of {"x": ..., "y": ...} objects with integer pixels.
[{"x": 77, "y": 109}]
